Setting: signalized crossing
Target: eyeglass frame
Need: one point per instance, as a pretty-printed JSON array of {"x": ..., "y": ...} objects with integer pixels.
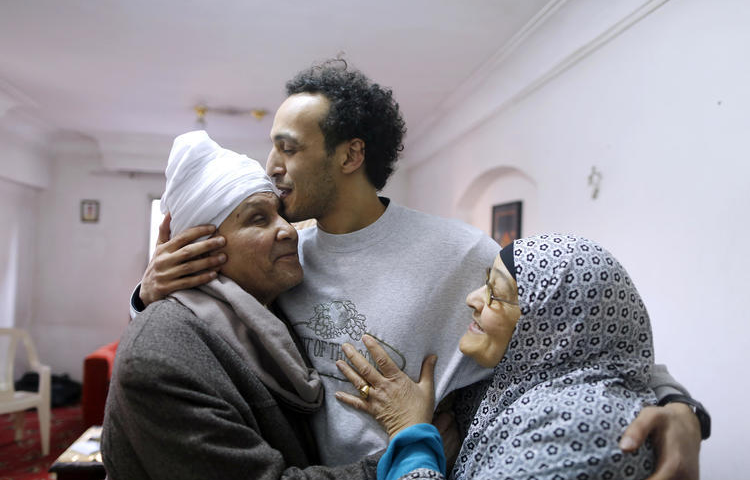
[{"x": 489, "y": 293}]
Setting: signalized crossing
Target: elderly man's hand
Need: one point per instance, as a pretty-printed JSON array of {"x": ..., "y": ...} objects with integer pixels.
[
  {"x": 390, "y": 396},
  {"x": 178, "y": 263},
  {"x": 676, "y": 435}
]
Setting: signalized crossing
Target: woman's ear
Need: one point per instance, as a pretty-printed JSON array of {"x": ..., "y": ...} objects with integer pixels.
[{"x": 355, "y": 156}]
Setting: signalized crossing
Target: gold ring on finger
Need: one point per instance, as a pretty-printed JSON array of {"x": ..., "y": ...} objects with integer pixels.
[{"x": 364, "y": 391}]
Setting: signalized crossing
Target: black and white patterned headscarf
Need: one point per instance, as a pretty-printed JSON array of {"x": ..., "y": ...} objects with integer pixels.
[{"x": 575, "y": 373}]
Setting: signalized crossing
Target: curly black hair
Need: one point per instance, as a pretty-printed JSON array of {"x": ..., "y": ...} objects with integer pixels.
[{"x": 359, "y": 109}]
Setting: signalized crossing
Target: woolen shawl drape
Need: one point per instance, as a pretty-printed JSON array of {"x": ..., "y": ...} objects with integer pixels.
[{"x": 258, "y": 336}]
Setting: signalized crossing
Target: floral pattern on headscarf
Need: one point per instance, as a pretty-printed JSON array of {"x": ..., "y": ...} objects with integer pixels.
[{"x": 575, "y": 373}]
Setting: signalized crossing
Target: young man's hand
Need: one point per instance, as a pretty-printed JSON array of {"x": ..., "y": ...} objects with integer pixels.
[
  {"x": 676, "y": 434},
  {"x": 178, "y": 263}
]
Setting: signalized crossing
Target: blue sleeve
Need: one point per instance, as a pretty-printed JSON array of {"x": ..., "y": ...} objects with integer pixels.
[{"x": 418, "y": 446}]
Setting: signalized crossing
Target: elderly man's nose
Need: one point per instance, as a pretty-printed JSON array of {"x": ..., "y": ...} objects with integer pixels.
[{"x": 286, "y": 231}]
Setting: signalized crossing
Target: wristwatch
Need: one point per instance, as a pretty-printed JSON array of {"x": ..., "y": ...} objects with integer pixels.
[{"x": 700, "y": 411}]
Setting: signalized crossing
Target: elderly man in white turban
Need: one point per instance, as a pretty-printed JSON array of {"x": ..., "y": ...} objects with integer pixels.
[{"x": 209, "y": 383}]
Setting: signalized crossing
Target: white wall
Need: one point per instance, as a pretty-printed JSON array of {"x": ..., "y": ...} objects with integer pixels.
[
  {"x": 23, "y": 161},
  {"x": 662, "y": 110},
  {"x": 86, "y": 271},
  {"x": 18, "y": 217},
  {"x": 24, "y": 169},
  {"x": 396, "y": 188}
]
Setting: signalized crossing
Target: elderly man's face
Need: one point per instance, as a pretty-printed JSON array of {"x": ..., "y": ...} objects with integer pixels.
[
  {"x": 298, "y": 162},
  {"x": 261, "y": 248}
]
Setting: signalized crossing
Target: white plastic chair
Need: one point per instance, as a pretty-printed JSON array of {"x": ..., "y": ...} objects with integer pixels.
[{"x": 12, "y": 401}]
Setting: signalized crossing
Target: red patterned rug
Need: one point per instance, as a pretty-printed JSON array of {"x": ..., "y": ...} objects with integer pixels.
[{"x": 24, "y": 460}]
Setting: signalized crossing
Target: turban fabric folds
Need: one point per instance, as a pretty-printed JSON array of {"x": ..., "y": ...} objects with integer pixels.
[{"x": 206, "y": 182}]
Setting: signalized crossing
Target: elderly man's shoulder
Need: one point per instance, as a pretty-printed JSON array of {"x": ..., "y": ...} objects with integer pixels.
[
  {"x": 165, "y": 332},
  {"x": 163, "y": 316}
]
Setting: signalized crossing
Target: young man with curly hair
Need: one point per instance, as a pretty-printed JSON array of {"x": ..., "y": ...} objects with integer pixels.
[{"x": 370, "y": 265}]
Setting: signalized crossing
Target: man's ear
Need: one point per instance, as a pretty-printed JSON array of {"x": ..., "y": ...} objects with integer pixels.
[{"x": 355, "y": 156}]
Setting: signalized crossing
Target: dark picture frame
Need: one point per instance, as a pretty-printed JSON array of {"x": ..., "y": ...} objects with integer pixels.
[
  {"x": 89, "y": 211},
  {"x": 506, "y": 222}
]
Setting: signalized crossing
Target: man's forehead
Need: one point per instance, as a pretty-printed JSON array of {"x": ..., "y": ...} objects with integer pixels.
[
  {"x": 298, "y": 118},
  {"x": 308, "y": 100},
  {"x": 303, "y": 107}
]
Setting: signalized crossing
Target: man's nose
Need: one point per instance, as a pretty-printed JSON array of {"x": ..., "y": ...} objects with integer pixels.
[{"x": 273, "y": 166}]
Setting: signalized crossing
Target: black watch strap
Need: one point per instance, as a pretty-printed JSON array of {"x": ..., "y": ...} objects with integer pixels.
[{"x": 700, "y": 411}]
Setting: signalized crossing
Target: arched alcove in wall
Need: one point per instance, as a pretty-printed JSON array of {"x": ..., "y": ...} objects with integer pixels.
[{"x": 500, "y": 184}]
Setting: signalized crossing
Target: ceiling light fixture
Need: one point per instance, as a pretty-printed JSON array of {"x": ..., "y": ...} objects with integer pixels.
[{"x": 201, "y": 111}]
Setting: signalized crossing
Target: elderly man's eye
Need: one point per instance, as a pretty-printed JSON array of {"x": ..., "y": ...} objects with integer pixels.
[{"x": 258, "y": 219}]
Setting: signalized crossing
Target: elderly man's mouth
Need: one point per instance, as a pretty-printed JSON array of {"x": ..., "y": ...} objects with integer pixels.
[{"x": 288, "y": 256}]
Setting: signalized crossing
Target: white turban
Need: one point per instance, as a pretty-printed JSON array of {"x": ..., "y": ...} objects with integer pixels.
[{"x": 205, "y": 182}]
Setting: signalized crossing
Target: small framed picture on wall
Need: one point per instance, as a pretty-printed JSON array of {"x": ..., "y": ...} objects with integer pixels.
[
  {"x": 506, "y": 222},
  {"x": 89, "y": 211}
]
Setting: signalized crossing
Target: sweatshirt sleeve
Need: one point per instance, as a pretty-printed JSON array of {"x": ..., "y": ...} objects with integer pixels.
[{"x": 664, "y": 384}]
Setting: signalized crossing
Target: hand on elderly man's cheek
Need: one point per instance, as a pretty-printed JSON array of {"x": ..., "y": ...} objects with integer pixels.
[{"x": 179, "y": 263}]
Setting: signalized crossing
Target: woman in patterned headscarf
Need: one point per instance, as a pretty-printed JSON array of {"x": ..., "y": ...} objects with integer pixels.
[{"x": 570, "y": 340}]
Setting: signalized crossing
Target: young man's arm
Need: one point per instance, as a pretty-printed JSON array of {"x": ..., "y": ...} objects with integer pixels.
[{"x": 675, "y": 428}]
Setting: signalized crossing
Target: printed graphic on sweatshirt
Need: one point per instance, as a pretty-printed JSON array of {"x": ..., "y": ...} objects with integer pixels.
[
  {"x": 337, "y": 318},
  {"x": 333, "y": 324}
]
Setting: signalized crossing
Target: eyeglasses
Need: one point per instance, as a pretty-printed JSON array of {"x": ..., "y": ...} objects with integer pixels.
[{"x": 489, "y": 295}]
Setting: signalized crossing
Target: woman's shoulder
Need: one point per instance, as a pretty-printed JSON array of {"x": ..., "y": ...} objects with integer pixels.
[{"x": 572, "y": 422}]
